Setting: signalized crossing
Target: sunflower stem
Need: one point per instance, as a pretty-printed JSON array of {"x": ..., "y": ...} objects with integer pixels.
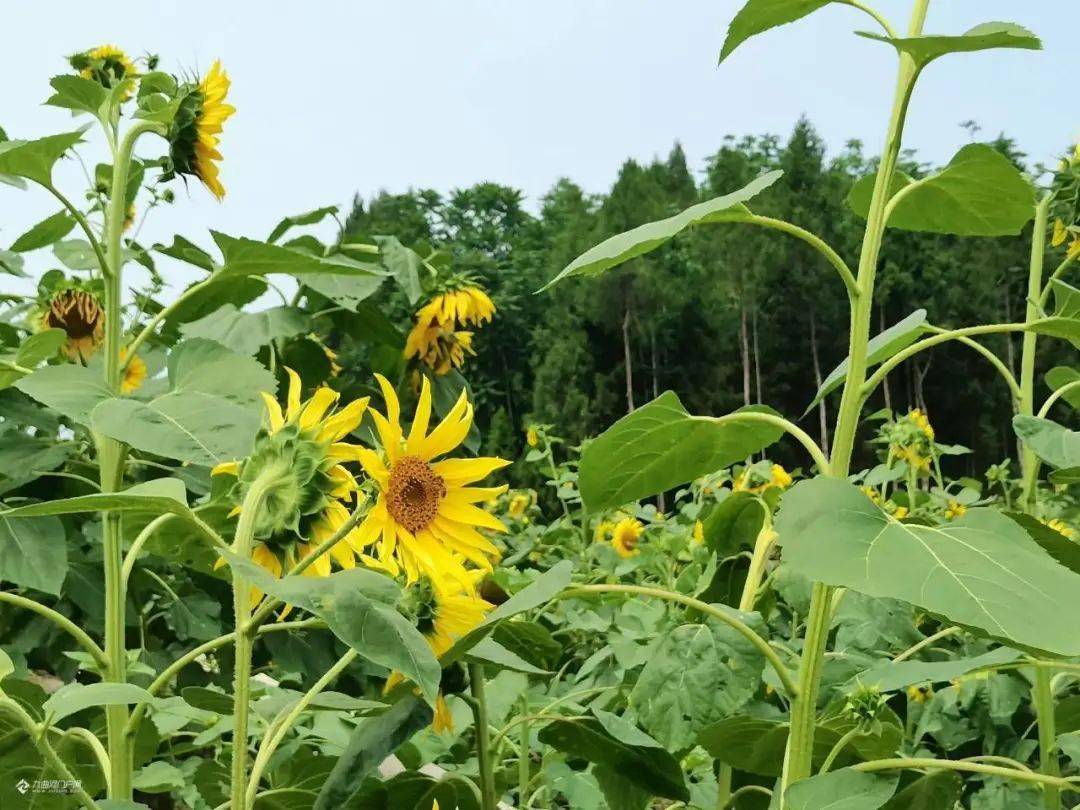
[{"x": 483, "y": 737}]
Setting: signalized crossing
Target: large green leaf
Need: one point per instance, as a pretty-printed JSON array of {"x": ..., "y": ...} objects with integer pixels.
[
  {"x": 1060, "y": 376},
  {"x": 1053, "y": 542},
  {"x": 660, "y": 446},
  {"x": 880, "y": 348},
  {"x": 892, "y": 676},
  {"x": 403, "y": 264},
  {"x": 75, "y": 697},
  {"x": 210, "y": 414},
  {"x": 644, "y": 238},
  {"x": 979, "y": 193},
  {"x": 845, "y": 789},
  {"x": 374, "y": 740},
  {"x": 248, "y": 257},
  {"x": 413, "y": 790},
  {"x": 1056, "y": 445},
  {"x": 34, "y": 159},
  {"x": 33, "y": 553},
  {"x": 187, "y": 251},
  {"x": 1057, "y": 326},
  {"x": 359, "y": 607},
  {"x": 981, "y": 570},
  {"x": 45, "y": 232},
  {"x": 70, "y": 389},
  {"x": 758, "y": 16},
  {"x": 733, "y": 524},
  {"x": 1066, "y": 299},
  {"x": 36, "y": 349},
  {"x": 157, "y": 496},
  {"x": 608, "y": 740},
  {"x": 77, "y": 94},
  {"x": 247, "y": 332},
  {"x": 931, "y": 791},
  {"x": 348, "y": 291},
  {"x": 307, "y": 218},
  {"x": 695, "y": 675},
  {"x": 928, "y": 47}
]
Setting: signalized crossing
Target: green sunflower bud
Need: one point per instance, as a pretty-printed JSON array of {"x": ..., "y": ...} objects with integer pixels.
[{"x": 865, "y": 705}]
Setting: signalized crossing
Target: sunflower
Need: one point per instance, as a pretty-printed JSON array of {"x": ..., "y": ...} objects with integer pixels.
[
  {"x": 954, "y": 509},
  {"x": 129, "y": 218},
  {"x": 698, "y": 534},
  {"x": 193, "y": 134},
  {"x": 443, "y": 721},
  {"x": 1061, "y": 527},
  {"x": 313, "y": 503},
  {"x": 425, "y": 513},
  {"x": 519, "y": 502},
  {"x": 625, "y": 536},
  {"x": 465, "y": 305},
  {"x": 108, "y": 66},
  {"x": 532, "y": 438},
  {"x": 134, "y": 373},
  {"x": 80, "y": 315},
  {"x": 438, "y": 346},
  {"x": 1060, "y": 234}
]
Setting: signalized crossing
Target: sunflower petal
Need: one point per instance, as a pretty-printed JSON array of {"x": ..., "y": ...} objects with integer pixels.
[
  {"x": 226, "y": 468},
  {"x": 273, "y": 412},
  {"x": 317, "y": 406},
  {"x": 393, "y": 407},
  {"x": 440, "y": 440},
  {"x": 470, "y": 515},
  {"x": 418, "y": 430},
  {"x": 345, "y": 421},
  {"x": 292, "y": 411},
  {"x": 460, "y": 471}
]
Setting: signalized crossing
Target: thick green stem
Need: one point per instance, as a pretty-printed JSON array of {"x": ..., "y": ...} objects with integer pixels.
[
  {"x": 1029, "y": 462},
  {"x": 245, "y": 533},
  {"x": 1042, "y": 697},
  {"x": 964, "y": 766},
  {"x": 523, "y": 753},
  {"x": 797, "y": 759},
  {"x": 483, "y": 738}
]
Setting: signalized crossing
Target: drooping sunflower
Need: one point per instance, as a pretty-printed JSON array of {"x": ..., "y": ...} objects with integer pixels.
[
  {"x": 425, "y": 518},
  {"x": 196, "y": 127},
  {"x": 625, "y": 537},
  {"x": 312, "y": 503},
  {"x": 465, "y": 305},
  {"x": 80, "y": 314},
  {"x": 438, "y": 346},
  {"x": 108, "y": 66}
]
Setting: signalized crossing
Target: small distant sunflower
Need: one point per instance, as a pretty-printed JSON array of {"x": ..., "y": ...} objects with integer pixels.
[
  {"x": 129, "y": 218},
  {"x": 920, "y": 693},
  {"x": 698, "y": 533},
  {"x": 519, "y": 503},
  {"x": 465, "y": 305},
  {"x": 193, "y": 135},
  {"x": 1059, "y": 235},
  {"x": 532, "y": 438},
  {"x": 1061, "y": 527},
  {"x": 108, "y": 66},
  {"x": 438, "y": 346},
  {"x": 777, "y": 477},
  {"x": 134, "y": 373},
  {"x": 80, "y": 314},
  {"x": 954, "y": 509},
  {"x": 313, "y": 502},
  {"x": 425, "y": 513},
  {"x": 603, "y": 532},
  {"x": 625, "y": 536}
]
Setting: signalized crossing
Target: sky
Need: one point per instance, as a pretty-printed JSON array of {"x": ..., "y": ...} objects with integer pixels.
[{"x": 336, "y": 98}]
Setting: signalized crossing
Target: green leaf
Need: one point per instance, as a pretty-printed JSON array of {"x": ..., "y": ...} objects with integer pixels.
[
  {"x": 695, "y": 675},
  {"x": 6, "y": 666},
  {"x": 75, "y": 697},
  {"x": 374, "y": 740},
  {"x": 1053, "y": 542},
  {"x": 1066, "y": 328},
  {"x": 158, "y": 496},
  {"x": 45, "y": 232},
  {"x": 1060, "y": 376},
  {"x": 490, "y": 652},
  {"x": 34, "y": 159},
  {"x": 880, "y": 348},
  {"x": 247, "y": 332},
  {"x": 36, "y": 349},
  {"x": 845, "y": 789},
  {"x": 660, "y": 446},
  {"x": 413, "y": 790},
  {"x": 70, "y": 389},
  {"x": 644, "y": 238},
  {"x": 248, "y": 257},
  {"x": 931, "y": 791},
  {"x": 310, "y": 218},
  {"x": 76, "y": 254},
  {"x": 348, "y": 291},
  {"x": 359, "y": 607},
  {"x": 1056, "y": 445},
  {"x": 158, "y": 777},
  {"x": 1066, "y": 299},
  {"x": 733, "y": 524},
  {"x": 210, "y": 414},
  {"x": 188, "y": 252},
  {"x": 33, "y": 553},
  {"x": 404, "y": 265},
  {"x": 979, "y": 193},
  {"x": 928, "y": 47},
  {"x": 981, "y": 570},
  {"x": 608, "y": 740},
  {"x": 893, "y": 676},
  {"x": 862, "y": 191},
  {"x": 77, "y": 94},
  {"x": 758, "y": 16}
]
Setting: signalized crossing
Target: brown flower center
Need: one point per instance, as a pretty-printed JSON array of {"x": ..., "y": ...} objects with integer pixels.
[
  {"x": 77, "y": 313},
  {"x": 413, "y": 496}
]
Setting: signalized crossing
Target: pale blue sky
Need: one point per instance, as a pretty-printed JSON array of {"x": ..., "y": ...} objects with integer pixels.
[{"x": 338, "y": 97}]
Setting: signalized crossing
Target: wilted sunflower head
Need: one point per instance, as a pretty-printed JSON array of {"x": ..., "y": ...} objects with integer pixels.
[
  {"x": 466, "y": 303},
  {"x": 438, "y": 346},
  {"x": 80, "y": 314},
  {"x": 313, "y": 490},
  {"x": 108, "y": 66},
  {"x": 193, "y": 134}
]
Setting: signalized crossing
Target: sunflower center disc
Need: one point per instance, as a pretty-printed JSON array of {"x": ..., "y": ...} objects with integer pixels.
[{"x": 414, "y": 493}]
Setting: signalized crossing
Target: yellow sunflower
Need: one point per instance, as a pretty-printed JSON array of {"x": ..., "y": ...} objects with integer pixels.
[
  {"x": 468, "y": 304},
  {"x": 134, "y": 373},
  {"x": 519, "y": 502},
  {"x": 1061, "y": 527},
  {"x": 1059, "y": 235},
  {"x": 625, "y": 536},
  {"x": 81, "y": 316},
  {"x": 306, "y": 441},
  {"x": 108, "y": 66},
  {"x": 532, "y": 438},
  {"x": 438, "y": 346},
  {"x": 443, "y": 721},
  {"x": 954, "y": 509},
  {"x": 698, "y": 534},
  {"x": 193, "y": 135},
  {"x": 425, "y": 514}
]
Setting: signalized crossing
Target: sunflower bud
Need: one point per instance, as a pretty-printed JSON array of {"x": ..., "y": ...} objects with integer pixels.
[
  {"x": 80, "y": 314},
  {"x": 865, "y": 705}
]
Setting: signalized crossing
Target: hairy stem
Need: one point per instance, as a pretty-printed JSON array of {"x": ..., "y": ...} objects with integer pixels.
[
  {"x": 1029, "y": 462},
  {"x": 483, "y": 737},
  {"x": 1042, "y": 697}
]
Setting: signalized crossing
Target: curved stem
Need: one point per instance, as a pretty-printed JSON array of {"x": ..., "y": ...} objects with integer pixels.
[
  {"x": 816, "y": 242},
  {"x": 152, "y": 324},
  {"x": 919, "y": 763},
  {"x": 1055, "y": 396},
  {"x": 91, "y": 740},
  {"x": 78, "y": 216},
  {"x": 277, "y": 731},
  {"x": 873, "y": 13},
  {"x": 791, "y": 428},
  {"x": 61, "y": 621},
  {"x": 944, "y": 336},
  {"x": 743, "y": 791},
  {"x": 140, "y": 541},
  {"x": 640, "y": 590},
  {"x": 995, "y": 361},
  {"x": 926, "y": 642},
  {"x": 841, "y": 744}
]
